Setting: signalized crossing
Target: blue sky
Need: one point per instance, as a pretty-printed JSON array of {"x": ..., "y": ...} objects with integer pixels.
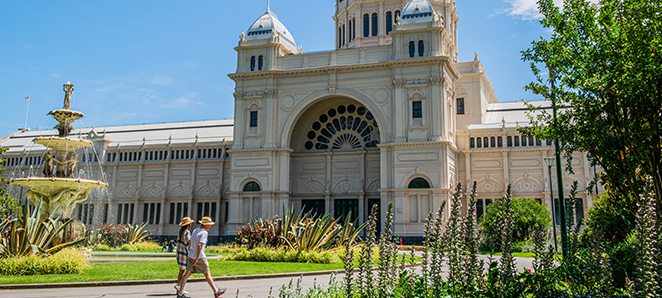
[{"x": 154, "y": 61}]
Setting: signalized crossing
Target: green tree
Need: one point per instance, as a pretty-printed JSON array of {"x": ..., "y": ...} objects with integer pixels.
[
  {"x": 8, "y": 205},
  {"x": 606, "y": 64},
  {"x": 528, "y": 217}
]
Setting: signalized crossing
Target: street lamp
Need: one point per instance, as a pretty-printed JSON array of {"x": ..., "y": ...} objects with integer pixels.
[
  {"x": 550, "y": 161},
  {"x": 595, "y": 172}
]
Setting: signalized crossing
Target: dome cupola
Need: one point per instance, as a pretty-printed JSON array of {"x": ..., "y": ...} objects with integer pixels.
[
  {"x": 417, "y": 11},
  {"x": 266, "y": 26}
]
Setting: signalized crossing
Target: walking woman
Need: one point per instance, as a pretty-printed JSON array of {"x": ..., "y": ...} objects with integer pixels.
[{"x": 183, "y": 246}]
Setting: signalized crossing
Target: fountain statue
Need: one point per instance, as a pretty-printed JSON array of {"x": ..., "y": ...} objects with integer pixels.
[{"x": 58, "y": 186}]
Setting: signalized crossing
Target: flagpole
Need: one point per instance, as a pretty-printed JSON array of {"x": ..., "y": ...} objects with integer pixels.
[{"x": 27, "y": 109}]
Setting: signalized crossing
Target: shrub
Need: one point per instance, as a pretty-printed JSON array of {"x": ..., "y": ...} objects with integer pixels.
[
  {"x": 117, "y": 235},
  {"x": 101, "y": 247},
  {"x": 262, "y": 254},
  {"x": 67, "y": 261},
  {"x": 128, "y": 247},
  {"x": 147, "y": 246},
  {"x": 528, "y": 216}
]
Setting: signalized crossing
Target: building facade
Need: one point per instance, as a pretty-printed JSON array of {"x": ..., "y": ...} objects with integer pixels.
[{"x": 389, "y": 115}]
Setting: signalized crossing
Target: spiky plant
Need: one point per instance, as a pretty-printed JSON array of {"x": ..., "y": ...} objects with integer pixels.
[
  {"x": 30, "y": 236},
  {"x": 647, "y": 274},
  {"x": 473, "y": 267},
  {"x": 453, "y": 237}
]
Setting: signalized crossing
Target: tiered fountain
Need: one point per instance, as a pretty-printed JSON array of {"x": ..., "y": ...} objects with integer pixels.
[{"x": 58, "y": 187}]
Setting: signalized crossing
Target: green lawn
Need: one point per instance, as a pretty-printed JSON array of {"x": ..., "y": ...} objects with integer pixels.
[
  {"x": 165, "y": 270},
  {"x": 516, "y": 254}
]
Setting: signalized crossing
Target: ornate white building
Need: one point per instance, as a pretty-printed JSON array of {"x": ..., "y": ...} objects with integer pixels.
[{"x": 389, "y": 115}]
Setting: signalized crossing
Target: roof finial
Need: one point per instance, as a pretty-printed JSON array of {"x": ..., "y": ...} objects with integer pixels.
[{"x": 268, "y": 5}]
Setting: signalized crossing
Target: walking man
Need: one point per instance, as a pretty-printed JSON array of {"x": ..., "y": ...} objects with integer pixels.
[{"x": 196, "y": 262}]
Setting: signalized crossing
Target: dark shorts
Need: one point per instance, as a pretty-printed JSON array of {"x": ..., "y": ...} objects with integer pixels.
[{"x": 201, "y": 267}]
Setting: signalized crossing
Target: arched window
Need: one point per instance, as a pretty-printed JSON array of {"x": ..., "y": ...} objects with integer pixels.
[
  {"x": 421, "y": 48},
  {"x": 366, "y": 25},
  {"x": 340, "y": 36},
  {"x": 375, "y": 24},
  {"x": 353, "y": 29},
  {"x": 412, "y": 49},
  {"x": 419, "y": 183},
  {"x": 252, "y": 186},
  {"x": 252, "y": 63},
  {"x": 343, "y": 34},
  {"x": 389, "y": 22},
  {"x": 260, "y": 62}
]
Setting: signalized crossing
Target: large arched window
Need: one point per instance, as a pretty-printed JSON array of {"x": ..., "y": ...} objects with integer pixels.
[
  {"x": 343, "y": 127},
  {"x": 375, "y": 24},
  {"x": 366, "y": 25},
  {"x": 419, "y": 183},
  {"x": 252, "y": 186},
  {"x": 389, "y": 22}
]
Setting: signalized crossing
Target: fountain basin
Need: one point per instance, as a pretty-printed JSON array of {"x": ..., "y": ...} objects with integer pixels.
[
  {"x": 65, "y": 192},
  {"x": 66, "y": 116},
  {"x": 62, "y": 144}
]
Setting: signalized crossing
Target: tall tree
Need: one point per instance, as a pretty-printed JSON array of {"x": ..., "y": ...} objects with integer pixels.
[
  {"x": 8, "y": 205},
  {"x": 605, "y": 62}
]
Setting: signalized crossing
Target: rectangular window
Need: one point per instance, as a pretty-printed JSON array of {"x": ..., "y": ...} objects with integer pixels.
[
  {"x": 509, "y": 141},
  {"x": 119, "y": 213},
  {"x": 538, "y": 142},
  {"x": 146, "y": 212},
  {"x": 479, "y": 142},
  {"x": 253, "y": 118},
  {"x": 479, "y": 210},
  {"x": 200, "y": 210},
  {"x": 421, "y": 48},
  {"x": 213, "y": 211},
  {"x": 375, "y": 24},
  {"x": 172, "y": 213},
  {"x": 516, "y": 141},
  {"x": 492, "y": 142},
  {"x": 472, "y": 143},
  {"x": 460, "y": 106},
  {"x": 366, "y": 25},
  {"x": 105, "y": 213},
  {"x": 549, "y": 142},
  {"x": 531, "y": 141},
  {"x": 416, "y": 109},
  {"x": 500, "y": 142},
  {"x": 524, "y": 143},
  {"x": 486, "y": 142}
]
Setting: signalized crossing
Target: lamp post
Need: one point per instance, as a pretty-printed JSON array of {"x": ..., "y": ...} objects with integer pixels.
[
  {"x": 559, "y": 171},
  {"x": 550, "y": 161},
  {"x": 595, "y": 173}
]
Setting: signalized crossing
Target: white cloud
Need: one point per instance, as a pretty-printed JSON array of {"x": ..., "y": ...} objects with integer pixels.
[{"x": 528, "y": 9}]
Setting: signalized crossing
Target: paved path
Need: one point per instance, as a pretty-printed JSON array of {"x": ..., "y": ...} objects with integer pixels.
[{"x": 247, "y": 288}]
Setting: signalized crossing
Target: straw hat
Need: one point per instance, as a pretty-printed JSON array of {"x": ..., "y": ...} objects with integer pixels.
[
  {"x": 206, "y": 221},
  {"x": 186, "y": 221}
]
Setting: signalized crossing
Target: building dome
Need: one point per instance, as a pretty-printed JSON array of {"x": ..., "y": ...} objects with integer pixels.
[
  {"x": 264, "y": 25},
  {"x": 417, "y": 11}
]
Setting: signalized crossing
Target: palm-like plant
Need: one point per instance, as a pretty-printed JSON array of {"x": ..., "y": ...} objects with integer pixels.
[
  {"x": 30, "y": 236},
  {"x": 137, "y": 233}
]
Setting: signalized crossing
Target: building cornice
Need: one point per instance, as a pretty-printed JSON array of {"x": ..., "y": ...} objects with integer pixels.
[{"x": 260, "y": 150}]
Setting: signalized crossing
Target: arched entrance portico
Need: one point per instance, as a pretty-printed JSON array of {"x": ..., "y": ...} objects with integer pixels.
[{"x": 335, "y": 162}]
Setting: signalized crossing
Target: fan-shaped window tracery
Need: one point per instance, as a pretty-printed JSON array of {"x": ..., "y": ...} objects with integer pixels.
[{"x": 344, "y": 127}]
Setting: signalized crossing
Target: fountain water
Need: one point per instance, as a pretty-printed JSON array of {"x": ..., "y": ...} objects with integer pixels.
[{"x": 58, "y": 186}]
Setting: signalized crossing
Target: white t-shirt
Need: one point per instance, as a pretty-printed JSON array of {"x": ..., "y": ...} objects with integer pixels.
[{"x": 199, "y": 236}]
